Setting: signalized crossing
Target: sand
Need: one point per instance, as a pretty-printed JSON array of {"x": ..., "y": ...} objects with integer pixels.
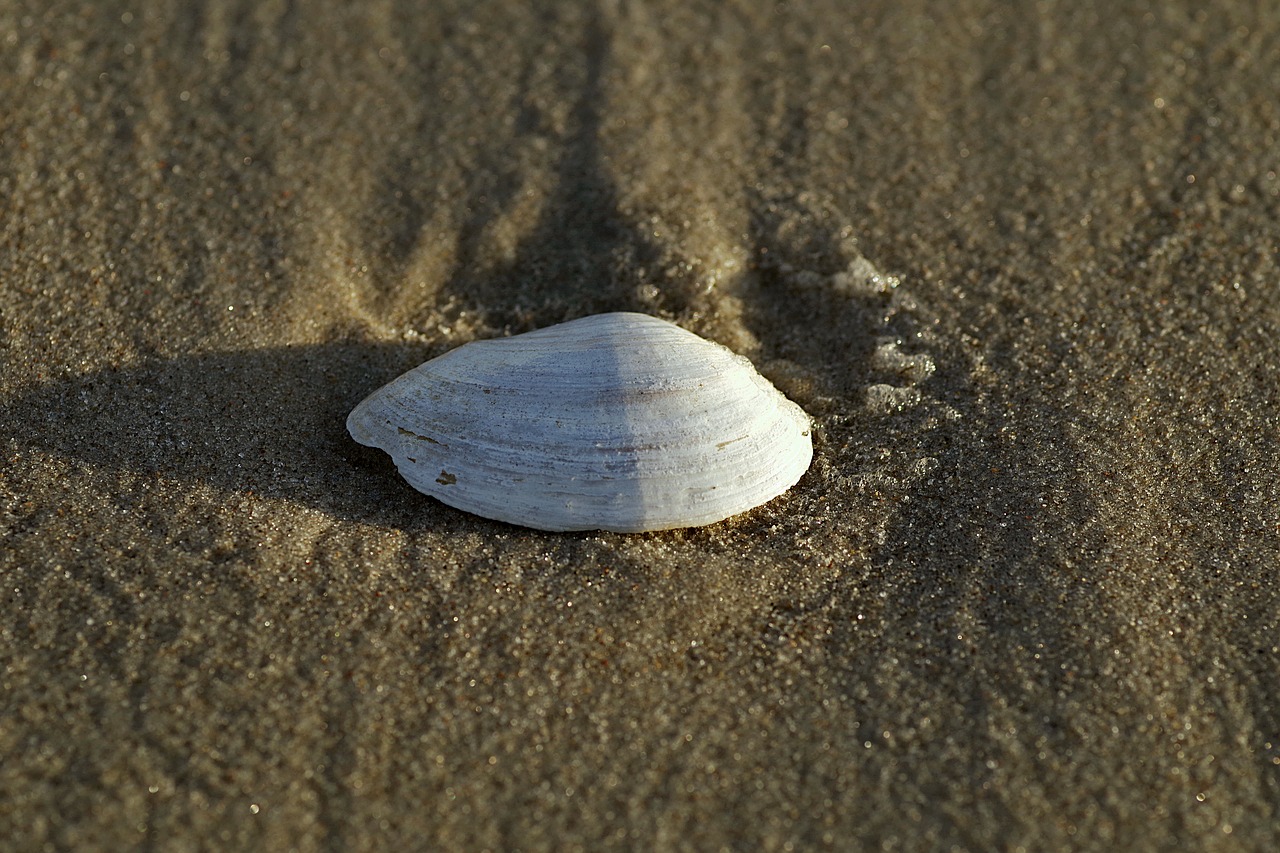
[{"x": 1018, "y": 261}]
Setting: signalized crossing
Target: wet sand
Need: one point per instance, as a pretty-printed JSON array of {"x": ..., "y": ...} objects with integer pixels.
[{"x": 1018, "y": 261}]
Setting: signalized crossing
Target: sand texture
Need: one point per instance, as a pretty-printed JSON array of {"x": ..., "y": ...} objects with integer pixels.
[{"x": 1019, "y": 262}]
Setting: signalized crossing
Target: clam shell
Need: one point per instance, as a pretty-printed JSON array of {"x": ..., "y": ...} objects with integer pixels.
[{"x": 619, "y": 422}]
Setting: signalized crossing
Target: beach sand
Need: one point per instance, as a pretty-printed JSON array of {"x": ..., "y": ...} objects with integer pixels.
[{"x": 1018, "y": 261}]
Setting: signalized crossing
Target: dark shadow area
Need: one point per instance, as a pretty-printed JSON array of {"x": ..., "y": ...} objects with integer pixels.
[{"x": 271, "y": 422}]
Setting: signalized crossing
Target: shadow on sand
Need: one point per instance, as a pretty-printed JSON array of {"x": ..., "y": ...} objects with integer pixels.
[{"x": 269, "y": 421}]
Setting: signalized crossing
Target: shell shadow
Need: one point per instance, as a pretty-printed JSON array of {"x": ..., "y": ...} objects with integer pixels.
[{"x": 269, "y": 422}]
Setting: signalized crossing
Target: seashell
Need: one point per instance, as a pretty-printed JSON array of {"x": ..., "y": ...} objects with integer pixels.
[{"x": 619, "y": 422}]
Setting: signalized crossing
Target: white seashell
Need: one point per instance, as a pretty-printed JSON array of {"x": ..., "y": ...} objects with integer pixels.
[{"x": 619, "y": 422}]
